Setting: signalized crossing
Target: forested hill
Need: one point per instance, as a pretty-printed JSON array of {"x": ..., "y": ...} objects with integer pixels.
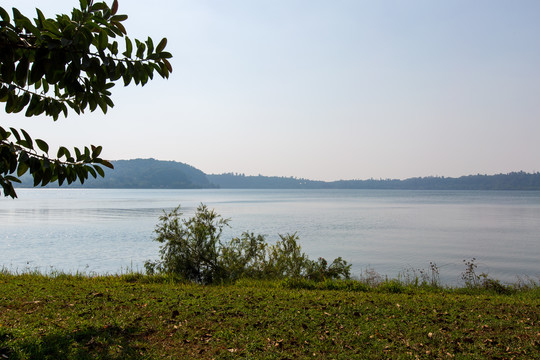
[
  {"x": 145, "y": 174},
  {"x": 156, "y": 174},
  {"x": 152, "y": 174},
  {"x": 511, "y": 181}
]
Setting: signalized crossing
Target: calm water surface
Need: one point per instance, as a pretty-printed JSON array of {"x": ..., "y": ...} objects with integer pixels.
[{"x": 110, "y": 231}]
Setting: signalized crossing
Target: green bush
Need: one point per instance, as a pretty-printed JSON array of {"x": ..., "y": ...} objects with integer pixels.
[
  {"x": 319, "y": 270},
  {"x": 245, "y": 257},
  {"x": 286, "y": 259},
  {"x": 192, "y": 248}
]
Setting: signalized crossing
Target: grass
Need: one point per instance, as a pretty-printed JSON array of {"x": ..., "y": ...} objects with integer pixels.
[{"x": 134, "y": 316}]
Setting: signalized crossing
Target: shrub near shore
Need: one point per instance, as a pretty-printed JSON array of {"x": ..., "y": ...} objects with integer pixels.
[
  {"x": 136, "y": 316},
  {"x": 192, "y": 249}
]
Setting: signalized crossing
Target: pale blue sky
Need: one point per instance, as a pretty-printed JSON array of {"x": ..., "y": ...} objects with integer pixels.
[{"x": 325, "y": 89}]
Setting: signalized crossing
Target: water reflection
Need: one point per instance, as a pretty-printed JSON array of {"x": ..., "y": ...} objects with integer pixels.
[{"x": 105, "y": 231}]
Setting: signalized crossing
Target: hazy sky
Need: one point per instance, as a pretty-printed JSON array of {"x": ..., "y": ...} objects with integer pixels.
[{"x": 324, "y": 90}]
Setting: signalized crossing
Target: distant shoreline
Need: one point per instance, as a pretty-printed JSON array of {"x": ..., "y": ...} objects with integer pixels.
[{"x": 156, "y": 174}]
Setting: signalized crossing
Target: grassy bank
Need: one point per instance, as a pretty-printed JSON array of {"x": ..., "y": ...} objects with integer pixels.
[{"x": 142, "y": 317}]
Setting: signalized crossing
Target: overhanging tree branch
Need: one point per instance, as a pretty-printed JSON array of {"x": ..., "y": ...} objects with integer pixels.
[{"x": 49, "y": 66}]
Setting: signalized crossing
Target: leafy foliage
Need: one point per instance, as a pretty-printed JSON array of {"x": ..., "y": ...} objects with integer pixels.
[
  {"x": 319, "y": 270},
  {"x": 191, "y": 246},
  {"x": 71, "y": 62},
  {"x": 245, "y": 257},
  {"x": 193, "y": 249}
]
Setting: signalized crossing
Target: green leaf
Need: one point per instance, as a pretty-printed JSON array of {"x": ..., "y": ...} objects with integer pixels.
[
  {"x": 107, "y": 164},
  {"x": 114, "y": 48},
  {"x": 15, "y": 133},
  {"x": 21, "y": 73},
  {"x": 25, "y": 158},
  {"x": 3, "y": 93},
  {"x": 82, "y": 173},
  {"x": 4, "y": 134},
  {"x": 32, "y": 106},
  {"x": 102, "y": 104},
  {"x": 118, "y": 18},
  {"x": 38, "y": 175},
  {"x": 4, "y": 15},
  {"x": 77, "y": 154},
  {"x": 120, "y": 27},
  {"x": 17, "y": 16},
  {"x": 99, "y": 6},
  {"x": 103, "y": 40},
  {"x": 91, "y": 171},
  {"x": 45, "y": 85},
  {"x": 37, "y": 71},
  {"x": 96, "y": 150},
  {"x": 165, "y": 55},
  {"x": 93, "y": 104},
  {"x": 12, "y": 178},
  {"x": 141, "y": 47},
  {"x": 99, "y": 170},
  {"x": 161, "y": 45},
  {"x": 51, "y": 28},
  {"x": 41, "y": 17},
  {"x": 42, "y": 145},
  {"x": 129, "y": 47},
  {"x": 10, "y": 103},
  {"x": 27, "y": 25},
  {"x": 127, "y": 78},
  {"x": 167, "y": 64},
  {"x": 108, "y": 101},
  {"x": 64, "y": 110},
  {"x": 150, "y": 46},
  {"x": 61, "y": 176},
  {"x": 28, "y": 139},
  {"x": 47, "y": 175},
  {"x": 62, "y": 151},
  {"x": 22, "y": 169},
  {"x": 23, "y": 101}
]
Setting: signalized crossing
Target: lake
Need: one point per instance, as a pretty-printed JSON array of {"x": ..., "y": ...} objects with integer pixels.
[{"x": 100, "y": 231}]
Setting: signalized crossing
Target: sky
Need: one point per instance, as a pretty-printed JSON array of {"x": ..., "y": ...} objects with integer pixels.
[{"x": 324, "y": 90}]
